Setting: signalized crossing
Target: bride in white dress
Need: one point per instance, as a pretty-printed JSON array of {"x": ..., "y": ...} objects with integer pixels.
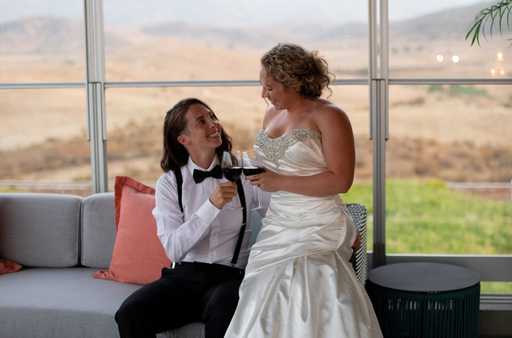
[{"x": 299, "y": 282}]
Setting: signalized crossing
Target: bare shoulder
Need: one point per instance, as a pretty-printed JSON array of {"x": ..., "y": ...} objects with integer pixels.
[
  {"x": 270, "y": 113},
  {"x": 329, "y": 115}
]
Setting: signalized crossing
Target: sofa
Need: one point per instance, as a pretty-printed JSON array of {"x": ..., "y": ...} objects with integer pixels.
[{"x": 61, "y": 240}]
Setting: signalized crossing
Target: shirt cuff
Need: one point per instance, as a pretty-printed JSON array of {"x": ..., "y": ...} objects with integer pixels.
[{"x": 207, "y": 212}]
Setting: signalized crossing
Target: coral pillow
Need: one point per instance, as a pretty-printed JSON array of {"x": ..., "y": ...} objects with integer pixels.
[
  {"x": 7, "y": 266},
  {"x": 138, "y": 256}
]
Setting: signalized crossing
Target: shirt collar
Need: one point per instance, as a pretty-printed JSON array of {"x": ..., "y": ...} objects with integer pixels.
[{"x": 191, "y": 165}]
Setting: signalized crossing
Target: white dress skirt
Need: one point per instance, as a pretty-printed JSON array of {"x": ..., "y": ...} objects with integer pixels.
[{"x": 299, "y": 281}]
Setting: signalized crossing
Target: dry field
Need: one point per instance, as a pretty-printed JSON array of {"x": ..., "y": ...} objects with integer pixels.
[{"x": 436, "y": 131}]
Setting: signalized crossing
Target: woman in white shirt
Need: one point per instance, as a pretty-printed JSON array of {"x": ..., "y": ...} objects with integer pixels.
[{"x": 205, "y": 237}]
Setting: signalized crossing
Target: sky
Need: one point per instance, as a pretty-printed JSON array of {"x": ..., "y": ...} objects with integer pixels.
[{"x": 224, "y": 12}]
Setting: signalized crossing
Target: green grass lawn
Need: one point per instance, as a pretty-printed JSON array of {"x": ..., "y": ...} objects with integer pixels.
[{"x": 427, "y": 217}]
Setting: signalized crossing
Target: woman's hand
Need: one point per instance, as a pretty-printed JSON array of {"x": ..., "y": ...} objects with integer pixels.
[
  {"x": 267, "y": 181},
  {"x": 357, "y": 242},
  {"x": 223, "y": 194}
]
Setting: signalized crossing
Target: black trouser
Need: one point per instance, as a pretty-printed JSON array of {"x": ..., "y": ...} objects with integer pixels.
[{"x": 191, "y": 292}]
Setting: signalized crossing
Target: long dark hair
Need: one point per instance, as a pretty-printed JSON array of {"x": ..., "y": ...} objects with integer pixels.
[{"x": 175, "y": 155}]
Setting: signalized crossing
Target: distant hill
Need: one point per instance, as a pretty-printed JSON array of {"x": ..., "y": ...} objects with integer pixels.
[
  {"x": 54, "y": 34},
  {"x": 453, "y": 23},
  {"x": 42, "y": 35},
  {"x": 239, "y": 36},
  {"x": 447, "y": 24},
  {"x": 450, "y": 23}
]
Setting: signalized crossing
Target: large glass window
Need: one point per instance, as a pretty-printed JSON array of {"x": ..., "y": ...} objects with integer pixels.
[
  {"x": 449, "y": 165},
  {"x": 448, "y": 160},
  {"x": 224, "y": 40},
  {"x": 43, "y": 141},
  {"x": 42, "y": 41}
]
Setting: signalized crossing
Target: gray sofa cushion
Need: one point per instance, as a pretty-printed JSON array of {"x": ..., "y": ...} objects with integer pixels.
[
  {"x": 59, "y": 303},
  {"x": 40, "y": 230},
  {"x": 98, "y": 230},
  {"x": 66, "y": 303}
]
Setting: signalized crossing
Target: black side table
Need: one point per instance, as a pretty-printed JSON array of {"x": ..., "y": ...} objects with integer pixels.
[{"x": 425, "y": 300}]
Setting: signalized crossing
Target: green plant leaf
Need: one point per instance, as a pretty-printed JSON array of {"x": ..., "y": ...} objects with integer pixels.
[{"x": 489, "y": 17}]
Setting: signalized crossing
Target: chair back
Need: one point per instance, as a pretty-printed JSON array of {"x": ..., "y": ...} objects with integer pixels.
[{"x": 359, "y": 258}]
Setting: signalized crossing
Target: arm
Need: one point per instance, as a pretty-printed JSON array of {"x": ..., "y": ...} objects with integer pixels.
[
  {"x": 176, "y": 235},
  {"x": 338, "y": 148}
]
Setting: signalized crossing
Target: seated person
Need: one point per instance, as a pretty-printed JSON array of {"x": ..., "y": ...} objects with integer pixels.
[{"x": 201, "y": 229}]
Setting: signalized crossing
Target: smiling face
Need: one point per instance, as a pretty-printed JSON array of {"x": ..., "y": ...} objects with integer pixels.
[
  {"x": 278, "y": 94},
  {"x": 203, "y": 130}
]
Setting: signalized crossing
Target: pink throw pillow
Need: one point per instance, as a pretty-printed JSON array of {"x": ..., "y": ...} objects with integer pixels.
[
  {"x": 138, "y": 256},
  {"x": 7, "y": 266}
]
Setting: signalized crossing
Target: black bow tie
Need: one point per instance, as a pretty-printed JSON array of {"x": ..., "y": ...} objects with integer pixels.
[{"x": 200, "y": 175}]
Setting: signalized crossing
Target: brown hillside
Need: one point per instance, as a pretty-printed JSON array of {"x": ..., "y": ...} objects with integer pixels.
[{"x": 130, "y": 154}]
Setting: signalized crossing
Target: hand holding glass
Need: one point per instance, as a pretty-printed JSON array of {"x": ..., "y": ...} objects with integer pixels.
[
  {"x": 231, "y": 169},
  {"x": 252, "y": 167}
]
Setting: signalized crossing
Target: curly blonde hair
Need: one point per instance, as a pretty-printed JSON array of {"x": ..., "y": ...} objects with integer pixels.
[{"x": 297, "y": 68}]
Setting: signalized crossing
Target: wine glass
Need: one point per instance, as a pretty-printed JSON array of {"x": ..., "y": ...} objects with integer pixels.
[
  {"x": 231, "y": 166},
  {"x": 232, "y": 170},
  {"x": 251, "y": 166}
]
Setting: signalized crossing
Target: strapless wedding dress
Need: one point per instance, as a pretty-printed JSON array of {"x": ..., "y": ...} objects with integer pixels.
[{"x": 299, "y": 282}]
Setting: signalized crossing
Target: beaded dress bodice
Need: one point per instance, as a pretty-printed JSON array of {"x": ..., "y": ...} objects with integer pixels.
[{"x": 297, "y": 152}]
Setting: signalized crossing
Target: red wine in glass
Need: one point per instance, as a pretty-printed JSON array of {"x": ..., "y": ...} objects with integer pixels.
[
  {"x": 249, "y": 171},
  {"x": 233, "y": 174},
  {"x": 252, "y": 167}
]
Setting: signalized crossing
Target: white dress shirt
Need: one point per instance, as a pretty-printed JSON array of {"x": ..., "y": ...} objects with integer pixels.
[{"x": 202, "y": 233}]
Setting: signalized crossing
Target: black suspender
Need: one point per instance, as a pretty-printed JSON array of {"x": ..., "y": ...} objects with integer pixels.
[
  {"x": 179, "y": 185},
  {"x": 241, "y": 195}
]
